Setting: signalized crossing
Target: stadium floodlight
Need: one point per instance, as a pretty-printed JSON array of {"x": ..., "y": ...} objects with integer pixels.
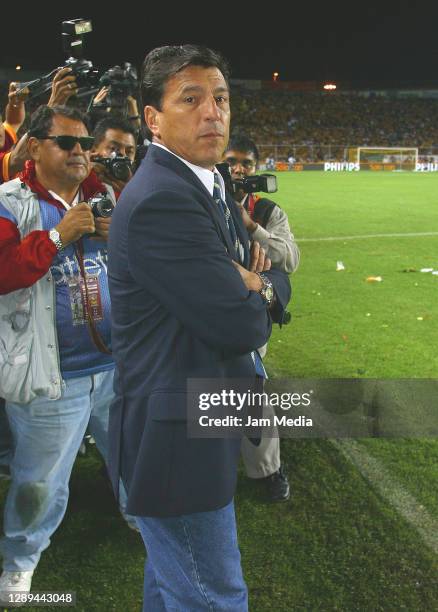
[
  {"x": 386, "y": 158},
  {"x": 329, "y": 86}
]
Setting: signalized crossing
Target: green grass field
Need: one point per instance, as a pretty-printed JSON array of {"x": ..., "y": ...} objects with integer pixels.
[{"x": 340, "y": 544}]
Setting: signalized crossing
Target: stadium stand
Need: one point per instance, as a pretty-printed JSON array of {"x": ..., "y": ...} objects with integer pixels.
[{"x": 346, "y": 120}]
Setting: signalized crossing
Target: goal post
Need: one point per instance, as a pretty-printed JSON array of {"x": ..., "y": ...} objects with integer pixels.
[{"x": 389, "y": 158}]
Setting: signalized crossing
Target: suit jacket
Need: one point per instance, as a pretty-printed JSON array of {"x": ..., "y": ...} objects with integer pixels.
[{"x": 180, "y": 310}]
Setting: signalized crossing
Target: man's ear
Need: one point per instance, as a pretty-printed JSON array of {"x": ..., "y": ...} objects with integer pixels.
[
  {"x": 152, "y": 119},
  {"x": 33, "y": 146}
]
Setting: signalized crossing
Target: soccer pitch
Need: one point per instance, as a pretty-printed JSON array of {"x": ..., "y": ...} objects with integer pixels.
[
  {"x": 359, "y": 533},
  {"x": 378, "y": 225}
]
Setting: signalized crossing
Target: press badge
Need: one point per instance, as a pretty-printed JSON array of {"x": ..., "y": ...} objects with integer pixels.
[{"x": 78, "y": 299}]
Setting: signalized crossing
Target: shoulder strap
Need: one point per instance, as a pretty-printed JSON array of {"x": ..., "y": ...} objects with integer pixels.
[{"x": 262, "y": 210}]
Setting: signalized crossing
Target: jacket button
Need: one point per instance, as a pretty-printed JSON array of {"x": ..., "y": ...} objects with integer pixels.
[
  {"x": 51, "y": 346},
  {"x": 48, "y": 308}
]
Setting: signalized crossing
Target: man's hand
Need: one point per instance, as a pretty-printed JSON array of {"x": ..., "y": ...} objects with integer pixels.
[
  {"x": 105, "y": 177},
  {"x": 252, "y": 281},
  {"x": 76, "y": 222},
  {"x": 100, "y": 96},
  {"x": 63, "y": 87},
  {"x": 132, "y": 107},
  {"x": 19, "y": 154},
  {"x": 250, "y": 225},
  {"x": 15, "y": 110},
  {"x": 259, "y": 263},
  {"x": 102, "y": 227}
]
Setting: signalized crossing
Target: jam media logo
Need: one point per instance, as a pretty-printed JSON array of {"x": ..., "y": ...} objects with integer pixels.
[{"x": 341, "y": 166}]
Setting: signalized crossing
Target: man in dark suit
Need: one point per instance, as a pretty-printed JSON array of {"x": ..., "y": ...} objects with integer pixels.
[{"x": 189, "y": 301}]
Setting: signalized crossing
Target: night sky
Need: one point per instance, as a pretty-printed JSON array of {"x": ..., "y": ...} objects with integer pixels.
[{"x": 385, "y": 42}]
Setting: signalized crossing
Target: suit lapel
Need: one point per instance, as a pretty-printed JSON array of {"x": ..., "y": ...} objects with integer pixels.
[{"x": 168, "y": 160}]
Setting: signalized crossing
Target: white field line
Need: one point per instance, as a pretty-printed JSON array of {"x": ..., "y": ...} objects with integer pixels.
[
  {"x": 364, "y": 236},
  {"x": 381, "y": 479}
]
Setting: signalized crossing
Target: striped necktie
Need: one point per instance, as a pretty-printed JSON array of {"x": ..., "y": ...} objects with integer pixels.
[{"x": 228, "y": 217}]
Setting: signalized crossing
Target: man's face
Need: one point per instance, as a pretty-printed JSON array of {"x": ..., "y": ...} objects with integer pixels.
[
  {"x": 242, "y": 163},
  {"x": 67, "y": 168},
  {"x": 194, "y": 120},
  {"x": 116, "y": 141}
]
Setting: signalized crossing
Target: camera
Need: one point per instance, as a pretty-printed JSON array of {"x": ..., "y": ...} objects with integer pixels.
[
  {"x": 73, "y": 32},
  {"x": 101, "y": 205},
  {"x": 119, "y": 166},
  {"x": 122, "y": 82},
  {"x": 249, "y": 184},
  {"x": 85, "y": 75},
  {"x": 259, "y": 182}
]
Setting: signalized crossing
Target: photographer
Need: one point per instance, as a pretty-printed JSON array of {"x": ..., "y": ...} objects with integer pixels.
[
  {"x": 113, "y": 153},
  {"x": 267, "y": 224},
  {"x": 265, "y": 221},
  {"x": 117, "y": 96},
  {"x": 57, "y": 376}
]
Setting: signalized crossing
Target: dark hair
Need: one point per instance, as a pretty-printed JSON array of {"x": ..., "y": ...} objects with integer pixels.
[
  {"x": 240, "y": 142},
  {"x": 162, "y": 63},
  {"x": 42, "y": 119},
  {"x": 112, "y": 123}
]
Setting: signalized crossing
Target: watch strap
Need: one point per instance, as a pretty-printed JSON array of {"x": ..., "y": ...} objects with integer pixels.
[
  {"x": 267, "y": 291},
  {"x": 56, "y": 239}
]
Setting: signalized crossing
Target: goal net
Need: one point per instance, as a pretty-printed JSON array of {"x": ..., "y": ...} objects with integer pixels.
[{"x": 387, "y": 158}]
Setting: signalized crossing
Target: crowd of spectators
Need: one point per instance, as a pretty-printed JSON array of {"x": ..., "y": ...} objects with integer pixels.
[
  {"x": 324, "y": 119},
  {"x": 285, "y": 118}
]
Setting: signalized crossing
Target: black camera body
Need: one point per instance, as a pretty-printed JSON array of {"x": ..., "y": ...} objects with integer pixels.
[
  {"x": 249, "y": 184},
  {"x": 122, "y": 82},
  {"x": 73, "y": 32},
  {"x": 101, "y": 205},
  {"x": 259, "y": 182},
  {"x": 119, "y": 166},
  {"x": 83, "y": 70}
]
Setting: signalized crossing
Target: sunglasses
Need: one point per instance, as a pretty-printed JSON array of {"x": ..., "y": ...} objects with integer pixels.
[
  {"x": 246, "y": 163},
  {"x": 67, "y": 143}
]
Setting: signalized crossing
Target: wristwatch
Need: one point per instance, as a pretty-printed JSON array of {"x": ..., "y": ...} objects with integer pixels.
[
  {"x": 267, "y": 291},
  {"x": 56, "y": 239}
]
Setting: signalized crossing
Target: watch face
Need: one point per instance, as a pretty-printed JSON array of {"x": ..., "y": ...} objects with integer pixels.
[{"x": 269, "y": 293}]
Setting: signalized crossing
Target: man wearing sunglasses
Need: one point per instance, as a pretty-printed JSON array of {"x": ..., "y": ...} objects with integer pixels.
[
  {"x": 267, "y": 224},
  {"x": 56, "y": 372}
]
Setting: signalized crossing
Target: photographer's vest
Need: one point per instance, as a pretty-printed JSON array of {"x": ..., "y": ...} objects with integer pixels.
[
  {"x": 29, "y": 360},
  {"x": 29, "y": 356},
  {"x": 259, "y": 209}
]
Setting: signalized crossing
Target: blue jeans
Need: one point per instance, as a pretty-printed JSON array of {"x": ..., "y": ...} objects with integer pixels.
[
  {"x": 5, "y": 436},
  {"x": 47, "y": 436},
  {"x": 193, "y": 563}
]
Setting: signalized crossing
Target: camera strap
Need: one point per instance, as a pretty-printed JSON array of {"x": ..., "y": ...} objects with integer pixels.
[{"x": 94, "y": 332}]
